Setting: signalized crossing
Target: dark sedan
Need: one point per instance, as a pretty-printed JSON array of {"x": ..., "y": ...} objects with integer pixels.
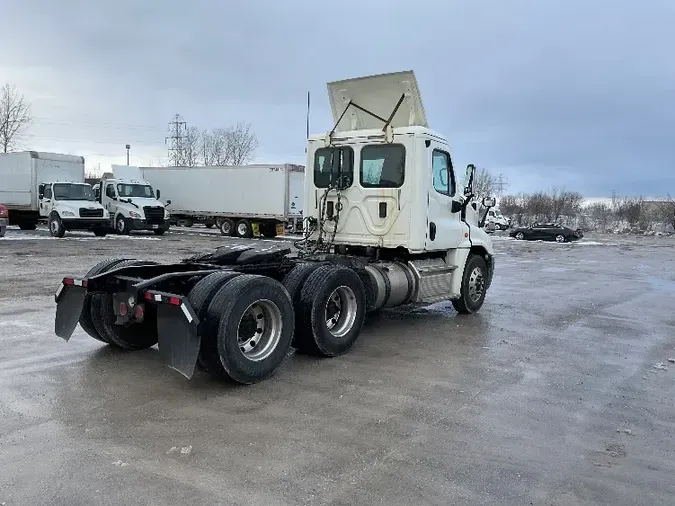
[{"x": 546, "y": 232}]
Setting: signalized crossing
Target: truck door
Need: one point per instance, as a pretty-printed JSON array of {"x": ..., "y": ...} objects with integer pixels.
[
  {"x": 46, "y": 200},
  {"x": 110, "y": 198},
  {"x": 445, "y": 228}
]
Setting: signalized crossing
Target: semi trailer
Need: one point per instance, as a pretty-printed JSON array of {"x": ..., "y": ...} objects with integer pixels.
[
  {"x": 386, "y": 224},
  {"x": 241, "y": 201},
  {"x": 49, "y": 188}
]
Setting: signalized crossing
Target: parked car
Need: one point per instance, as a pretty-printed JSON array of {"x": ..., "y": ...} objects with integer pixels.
[
  {"x": 4, "y": 216},
  {"x": 546, "y": 232}
]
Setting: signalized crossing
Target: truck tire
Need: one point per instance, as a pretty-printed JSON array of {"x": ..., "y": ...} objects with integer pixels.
[
  {"x": 268, "y": 229},
  {"x": 255, "y": 328},
  {"x": 135, "y": 336},
  {"x": 122, "y": 225},
  {"x": 474, "y": 286},
  {"x": 55, "y": 225},
  {"x": 86, "y": 321},
  {"x": 99, "y": 232},
  {"x": 226, "y": 227},
  {"x": 200, "y": 298},
  {"x": 293, "y": 282},
  {"x": 244, "y": 229},
  {"x": 331, "y": 311},
  {"x": 159, "y": 231}
]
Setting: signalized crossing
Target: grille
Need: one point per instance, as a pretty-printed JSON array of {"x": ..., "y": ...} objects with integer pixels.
[
  {"x": 91, "y": 213},
  {"x": 154, "y": 214}
]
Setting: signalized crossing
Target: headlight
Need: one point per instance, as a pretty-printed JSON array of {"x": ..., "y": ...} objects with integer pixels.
[
  {"x": 166, "y": 214},
  {"x": 134, "y": 214},
  {"x": 68, "y": 213}
]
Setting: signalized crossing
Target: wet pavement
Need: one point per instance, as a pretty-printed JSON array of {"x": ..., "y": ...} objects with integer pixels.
[{"x": 559, "y": 391}]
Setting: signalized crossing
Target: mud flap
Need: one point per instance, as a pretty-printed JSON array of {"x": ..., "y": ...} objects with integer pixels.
[
  {"x": 69, "y": 304},
  {"x": 178, "y": 338}
]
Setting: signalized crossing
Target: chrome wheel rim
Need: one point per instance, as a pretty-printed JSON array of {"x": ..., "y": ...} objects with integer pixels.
[
  {"x": 241, "y": 229},
  {"x": 54, "y": 227},
  {"x": 340, "y": 311},
  {"x": 476, "y": 284},
  {"x": 226, "y": 227},
  {"x": 519, "y": 236},
  {"x": 560, "y": 238},
  {"x": 259, "y": 330},
  {"x": 120, "y": 224}
]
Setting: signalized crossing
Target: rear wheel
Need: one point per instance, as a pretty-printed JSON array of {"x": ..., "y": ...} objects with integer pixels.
[
  {"x": 244, "y": 229},
  {"x": 520, "y": 236},
  {"x": 200, "y": 298},
  {"x": 227, "y": 227},
  {"x": 255, "y": 328},
  {"x": 331, "y": 311},
  {"x": 293, "y": 282},
  {"x": 560, "y": 238},
  {"x": 133, "y": 336},
  {"x": 474, "y": 286},
  {"x": 86, "y": 321}
]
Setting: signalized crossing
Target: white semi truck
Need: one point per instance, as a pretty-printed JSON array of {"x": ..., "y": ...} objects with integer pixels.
[
  {"x": 386, "y": 225},
  {"x": 242, "y": 201},
  {"x": 131, "y": 201},
  {"x": 49, "y": 187}
]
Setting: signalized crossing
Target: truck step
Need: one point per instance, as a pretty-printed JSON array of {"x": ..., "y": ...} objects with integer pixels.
[{"x": 434, "y": 279}]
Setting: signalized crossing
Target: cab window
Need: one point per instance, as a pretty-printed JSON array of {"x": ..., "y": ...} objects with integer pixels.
[
  {"x": 110, "y": 191},
  {"x": 48, "y": 192},
  {"x": 331, "y": 164},
  {"x": 444, "y": 176},
  {"x": 382, "y": 166}
]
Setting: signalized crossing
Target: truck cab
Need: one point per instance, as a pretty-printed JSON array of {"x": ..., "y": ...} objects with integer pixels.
[
  {"x": 495, "y": 220},
  {"x": 133, "y": 205},
  {"x": 71, "y": 206}
]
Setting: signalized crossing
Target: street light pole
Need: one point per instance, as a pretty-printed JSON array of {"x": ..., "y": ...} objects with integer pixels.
[{"x": 128, "y": 148}]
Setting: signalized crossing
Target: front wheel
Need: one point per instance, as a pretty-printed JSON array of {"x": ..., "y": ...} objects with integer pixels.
[
  {"x": 121, "y": 225},
  {"x": 474, "y": 286},
  {"x": 559, "y": 238},
  {"x": 520, "y": 236},
  {"x": 56, "y": 226}
]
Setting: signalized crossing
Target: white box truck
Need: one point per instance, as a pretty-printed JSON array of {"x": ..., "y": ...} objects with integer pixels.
[
  {"x": 50, "y": 188},
  {"x": 242, "y": 201}
]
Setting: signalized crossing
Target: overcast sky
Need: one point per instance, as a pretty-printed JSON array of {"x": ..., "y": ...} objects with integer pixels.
[{"x": 576, "y": 93}]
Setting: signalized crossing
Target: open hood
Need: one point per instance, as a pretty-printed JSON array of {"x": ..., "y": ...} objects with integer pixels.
[{"x": 378, "y": 94}]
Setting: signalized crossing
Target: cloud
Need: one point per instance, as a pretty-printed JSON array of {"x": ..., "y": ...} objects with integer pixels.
[{"x": 576, "y": 93}]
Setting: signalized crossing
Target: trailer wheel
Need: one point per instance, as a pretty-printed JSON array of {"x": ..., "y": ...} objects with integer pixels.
[
  {"x": 226, "y": 227},
  {"x": 255, "y": 329},
  {"x": 244, "y": 229},
  {"x": 331, "y": 311},
  {"x": 86, "y": 321},
  {"x": 55, "y": 225},
  {"x": 200, "y": 298},
  {"x": 135, "y": 336},
  {"x": 474, "y": 286}
]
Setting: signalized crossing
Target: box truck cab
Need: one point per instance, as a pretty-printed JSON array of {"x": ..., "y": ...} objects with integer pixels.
[
  {"x": 71, "y": 206},
  {"x": 496, "y": 220},
  {"x": 132, "y": 203}
]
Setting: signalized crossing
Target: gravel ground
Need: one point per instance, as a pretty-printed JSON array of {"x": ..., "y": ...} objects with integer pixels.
[{"x": 560, "y": 391}]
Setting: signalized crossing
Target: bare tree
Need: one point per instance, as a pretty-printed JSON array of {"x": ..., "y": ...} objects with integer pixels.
[
  {"x": 600, "y": 213},
  {"x": 484, "y": 184},
  {"x": 241, "y": 144},
  {"x": 14, "y": 116},
  {"x": 189, "y": 154}
]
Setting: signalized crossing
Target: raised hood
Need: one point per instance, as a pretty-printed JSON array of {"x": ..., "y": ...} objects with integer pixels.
[{"x": 378, "y": 94}]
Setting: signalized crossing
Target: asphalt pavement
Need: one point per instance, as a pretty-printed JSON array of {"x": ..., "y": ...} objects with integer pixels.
[{"x": 561, "y": 390}]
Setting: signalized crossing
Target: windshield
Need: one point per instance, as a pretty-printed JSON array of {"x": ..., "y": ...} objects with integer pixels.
[
  {"x": 135, "y": 190},
  {"x": 73, "y": 192},
  {"x": 498, "y": 214}
]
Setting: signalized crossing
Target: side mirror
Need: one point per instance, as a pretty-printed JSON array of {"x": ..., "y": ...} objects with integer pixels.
[
  {"x": 168, "y": 202},
  {"x": 470, "y": 172},
  {"x": 456, "y": 206},
  {"x": 158, "y": 193},
  {"x": 489, "y": 202}
]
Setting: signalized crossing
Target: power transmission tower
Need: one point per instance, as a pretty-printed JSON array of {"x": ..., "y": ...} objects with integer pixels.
[
  {"x": 175, "y": 139},
  {"x": 500, "y": 185}
]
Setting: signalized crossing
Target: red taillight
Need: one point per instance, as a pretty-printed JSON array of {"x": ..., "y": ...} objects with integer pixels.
[
  {"x": 148, "y": 296},
  {"x": 123, "y": 309},
  {"x": 75, "y": 282},
  {"x": 174, "y": 301},
  {"x": 139, "y": 313}
]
